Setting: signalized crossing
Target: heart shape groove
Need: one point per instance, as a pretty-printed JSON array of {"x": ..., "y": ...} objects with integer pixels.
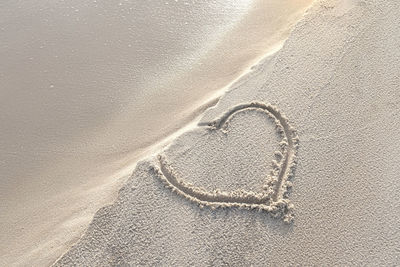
[{"x": 274, "y": 197}]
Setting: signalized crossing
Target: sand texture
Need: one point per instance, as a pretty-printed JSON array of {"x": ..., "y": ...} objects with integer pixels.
[{"x": 337, "y": 79}]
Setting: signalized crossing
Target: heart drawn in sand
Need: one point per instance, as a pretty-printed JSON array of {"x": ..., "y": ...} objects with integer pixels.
[{"x": 273, "y": 197}]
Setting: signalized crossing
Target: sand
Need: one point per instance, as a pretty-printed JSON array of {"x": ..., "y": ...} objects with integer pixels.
[
  {"x": 89, "y": 87},
  {"x": 336, "y": 80}
]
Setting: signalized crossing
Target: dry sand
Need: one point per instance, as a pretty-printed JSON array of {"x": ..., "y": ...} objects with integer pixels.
[
  {"x": 88, "y": 87},
  {"x": 337, "y": 81}
]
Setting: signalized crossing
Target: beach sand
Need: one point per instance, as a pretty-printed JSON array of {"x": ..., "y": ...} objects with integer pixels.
[
  {"x": 87, "y": 88},
  {"x": 334, "y": 85}
]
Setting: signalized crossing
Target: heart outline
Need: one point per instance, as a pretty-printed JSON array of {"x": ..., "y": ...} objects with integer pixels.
[{"x": 274, "y": 198}]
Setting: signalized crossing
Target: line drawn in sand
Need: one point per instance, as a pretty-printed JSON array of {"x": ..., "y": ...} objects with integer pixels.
[{"x": 274, "y": 195}]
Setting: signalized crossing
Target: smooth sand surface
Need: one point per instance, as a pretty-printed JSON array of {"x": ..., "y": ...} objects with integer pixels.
[
  {"x": 337, "y": 81},
  {"x": 88, "y": 87}
]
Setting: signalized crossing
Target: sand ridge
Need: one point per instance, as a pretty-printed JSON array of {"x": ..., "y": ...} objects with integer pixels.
[{"x": 273, "y": 199}]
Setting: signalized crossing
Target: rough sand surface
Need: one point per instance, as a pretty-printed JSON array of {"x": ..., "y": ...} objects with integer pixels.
[{"x": 337, "y": 80}]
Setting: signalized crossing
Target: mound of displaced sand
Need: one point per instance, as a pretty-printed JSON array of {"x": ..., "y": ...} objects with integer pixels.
[{"x": 337, "y": 81}]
